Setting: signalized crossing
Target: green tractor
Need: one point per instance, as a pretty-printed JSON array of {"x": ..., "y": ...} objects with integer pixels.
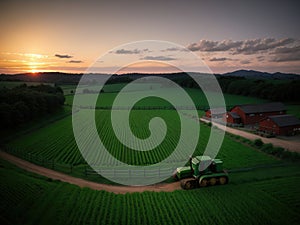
[{"x": 202, "y": 172}]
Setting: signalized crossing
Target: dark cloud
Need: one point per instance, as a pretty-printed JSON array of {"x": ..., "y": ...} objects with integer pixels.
[
  {"x": 213, "y": 46},
  {"x": 159, "y": 58},
  {"x": 260, "y": 58},
  {"x": 220, "y": 59},
  {"x": 63, "y": 56},
  {"x": 75, "y": 61},
  {"x": 246, "y": 47},
  {"x": 175, "y": 49},
  {"x": 258, "y": 45},
  {"x": 134, "y": 51},
  {"x": 245, "y": 62},
  {"x": 286, "y": 54}
]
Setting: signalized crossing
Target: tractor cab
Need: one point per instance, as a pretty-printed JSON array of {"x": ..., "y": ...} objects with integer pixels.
[{"x": 201, "y": 165}]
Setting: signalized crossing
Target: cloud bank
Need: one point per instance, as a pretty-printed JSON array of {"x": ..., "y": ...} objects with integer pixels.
[
  {"x": 214, "y": 59},
  {"x": 286, "y": 54},
  {"x": 246, "y": 47},
  {"x": 159, "y": 58},
  {"x": 134, "y": 51}
]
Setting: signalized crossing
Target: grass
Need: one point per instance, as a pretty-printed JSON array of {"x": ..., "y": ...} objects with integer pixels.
[
  {"x": 293, "y": 109},
  {"x": 56, "y": 142},
  {"x": 196, "y": 95},
  {"x": 107, "y": 99},
  {"x": 12, "y": 84},
  {"x": 27, "y": 198},
  {"x": 267, "y": 195},
  {"x": 33, "y": 125}
]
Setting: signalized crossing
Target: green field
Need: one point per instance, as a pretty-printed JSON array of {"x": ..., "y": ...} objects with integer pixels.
[
  {"x": 262, "y": 188},
  {"x": 107, "y": 99},
  {"x": 56, "y": 142},
  {"x": 31, "y": 199},
  {"x": 12, "y": 84}
]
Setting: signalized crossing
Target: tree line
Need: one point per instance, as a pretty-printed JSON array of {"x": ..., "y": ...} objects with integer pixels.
[
  {"x": 286, "y": 91},
  {"x": 24, "y": 103}
]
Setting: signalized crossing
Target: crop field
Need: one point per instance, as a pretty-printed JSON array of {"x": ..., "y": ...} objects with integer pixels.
[
  {"x": 267, "y": 192},
  {"x": 12, "y": 84},
  {"x": 56, "y": 141},
  {"x": 294, "y": 109},
  {"x": 106, "y": 99},
  {"x": 25, "y": 197}
]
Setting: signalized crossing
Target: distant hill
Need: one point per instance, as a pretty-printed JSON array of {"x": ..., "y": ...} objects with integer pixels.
[
  {"x": 262, "y": 75},
  {"x": 69, "y": 78}
]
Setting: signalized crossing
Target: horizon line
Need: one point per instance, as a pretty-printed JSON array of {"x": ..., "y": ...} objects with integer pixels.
[{"x": 142, "y": 73}]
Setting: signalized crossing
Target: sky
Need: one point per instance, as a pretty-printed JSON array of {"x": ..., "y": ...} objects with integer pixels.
[{"x": 69, "y": 36}]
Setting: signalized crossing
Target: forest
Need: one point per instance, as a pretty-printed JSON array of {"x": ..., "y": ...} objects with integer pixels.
[
  {"x": 275, "y": 90},
  {"x": 24, "y": 103}
]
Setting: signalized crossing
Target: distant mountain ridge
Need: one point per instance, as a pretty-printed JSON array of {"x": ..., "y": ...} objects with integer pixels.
[
  {"x": 71, "y": 78},
  {"x": 262, "y": 75}
]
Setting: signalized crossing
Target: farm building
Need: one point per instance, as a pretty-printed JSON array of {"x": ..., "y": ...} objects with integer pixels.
[
  {"x": 232, "y": 118},
  {"x": 253, "y": 113},
  {"x": 280, "y": 125},
  {"x": 216, "y": 112}
]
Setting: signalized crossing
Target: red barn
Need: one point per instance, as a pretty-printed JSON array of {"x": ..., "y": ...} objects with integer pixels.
[
  {"x": 232, "y": 118},
  {"x": 280, "y": 125},
  {"x": 253, "y": 113},
  {"x": 216, "y": 112}
]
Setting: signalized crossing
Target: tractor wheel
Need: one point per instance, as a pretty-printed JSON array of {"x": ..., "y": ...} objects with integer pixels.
[
  {"x": 188, "y": 186},
  {"x": 212, "y": 181},
  {"x": 223, "y": 180},
  {"x": 203, "y": 183}
]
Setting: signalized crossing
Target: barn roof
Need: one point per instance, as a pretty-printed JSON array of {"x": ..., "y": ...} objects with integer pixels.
[
  {"x": 261, "y": 108},
  {"x": 234, "y": 115},
  {"x": 285, "y": 120},
  {"x": 217, "y": 110}
]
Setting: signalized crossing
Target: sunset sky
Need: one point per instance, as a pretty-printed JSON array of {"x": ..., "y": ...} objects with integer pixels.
[{"x": 68, "y": 36}]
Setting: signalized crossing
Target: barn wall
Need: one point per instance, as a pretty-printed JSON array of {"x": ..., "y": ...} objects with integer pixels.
[
  {"x": 254, "y": 117},
  {"x": 271, "y": 127},
  {"x": 230, "y": 119}
]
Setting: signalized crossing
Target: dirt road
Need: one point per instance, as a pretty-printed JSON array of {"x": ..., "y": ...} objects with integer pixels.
[
  {"x": 293, "y": 146},
  {"x": 84, "y": 183}
]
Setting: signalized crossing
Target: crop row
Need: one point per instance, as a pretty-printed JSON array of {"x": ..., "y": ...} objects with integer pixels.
[
  {"x": 56, "y": 142},
  {"x": 60, "y": 203}
]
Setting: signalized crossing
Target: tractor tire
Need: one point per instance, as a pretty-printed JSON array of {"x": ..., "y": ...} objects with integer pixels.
[
  {"x": 203, "y": 183},
  {"x": 223, "y": 180},
  {"x": 212, "y": 181},
  {"x": 188, "y": 184}
]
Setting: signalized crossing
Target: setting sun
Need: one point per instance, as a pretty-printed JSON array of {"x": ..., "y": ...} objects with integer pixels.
[{"x": 33, "y": 71}]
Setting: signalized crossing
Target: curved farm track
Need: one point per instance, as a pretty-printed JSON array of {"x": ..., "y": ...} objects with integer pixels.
[{"x": 167, "y": 187}]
